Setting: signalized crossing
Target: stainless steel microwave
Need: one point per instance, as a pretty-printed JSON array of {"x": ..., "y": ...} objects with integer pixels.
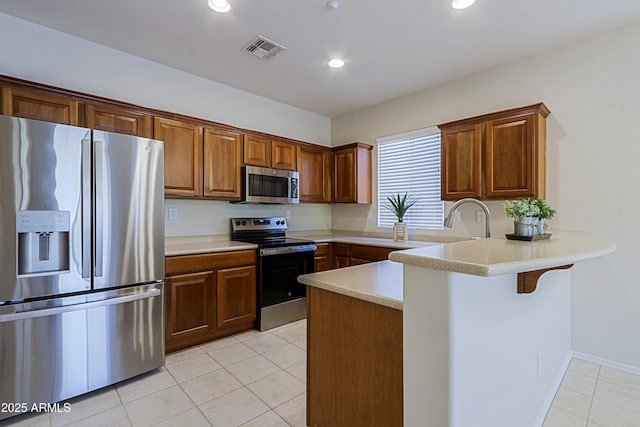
[{"x": 266, "y": 185}]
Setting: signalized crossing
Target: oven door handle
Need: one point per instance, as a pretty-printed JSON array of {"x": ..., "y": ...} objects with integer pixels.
[{"x": 287, "y": 250}]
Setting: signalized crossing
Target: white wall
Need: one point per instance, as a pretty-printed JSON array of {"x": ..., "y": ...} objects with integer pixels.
[
  {"x": 32, "y": 52},
  {"x": 592, "y": 90}
]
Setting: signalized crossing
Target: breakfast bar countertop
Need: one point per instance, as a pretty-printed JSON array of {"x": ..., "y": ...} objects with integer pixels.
[{"x": 497, "y": 255}]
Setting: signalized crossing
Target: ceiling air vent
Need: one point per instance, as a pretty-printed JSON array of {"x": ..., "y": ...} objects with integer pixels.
[{"x": 263, "y": 48}]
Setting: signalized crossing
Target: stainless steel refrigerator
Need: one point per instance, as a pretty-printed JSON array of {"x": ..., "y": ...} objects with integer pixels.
[{"x": 81, "y": 260}]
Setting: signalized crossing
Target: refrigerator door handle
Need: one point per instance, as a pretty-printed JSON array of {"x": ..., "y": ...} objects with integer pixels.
[
  {"x": 76, "y": 307},
  {"x": 86, "y": 208},
  {"x": 99, "y": 217}
]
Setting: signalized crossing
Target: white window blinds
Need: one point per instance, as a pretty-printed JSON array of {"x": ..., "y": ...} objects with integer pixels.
[{"x": 410, "y": 162}]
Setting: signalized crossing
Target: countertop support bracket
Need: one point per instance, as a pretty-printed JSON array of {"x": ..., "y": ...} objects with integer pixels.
[{"x": 528, "y": 280}]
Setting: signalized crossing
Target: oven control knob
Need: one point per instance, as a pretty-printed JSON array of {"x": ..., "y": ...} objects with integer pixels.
[
  {"x": 289, "y": 293},
  {"x": 237, "y": 222},
  {"x": 244, "y": 222}
]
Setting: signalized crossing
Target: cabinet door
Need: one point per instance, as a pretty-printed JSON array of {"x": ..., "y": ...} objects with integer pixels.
[
  {"x": 341, "y": 261},
  {"x": 40, "y": 106},
  {"x": 352, "y": 174},
  {"x": 344, "y": 165},
  {"x": 182, "y": 157},
  {"x": 191, "y": 308},
  {"x": 222, "y": 164},
  {"x": 257, "y": 151},
  {"x": 314, "y": 167},
  {"x": 322, "y": 263},
  {"x": 283, "y": 155},
  {"x": 462, "y": 162},
  {"x": 510, "y": 157},
  {"x": 120, "y": 120},
  {"x": 236, "y": 295}
]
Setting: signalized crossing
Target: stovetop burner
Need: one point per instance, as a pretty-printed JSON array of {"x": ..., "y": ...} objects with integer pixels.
[{"x": 266, "y": 232}]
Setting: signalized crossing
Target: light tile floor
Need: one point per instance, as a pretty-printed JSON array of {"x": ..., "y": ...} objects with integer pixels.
[
  {"x": 595, "y": 396},
  {"x": 253, "y": 379},
  {"x": 257, "y": 379}
]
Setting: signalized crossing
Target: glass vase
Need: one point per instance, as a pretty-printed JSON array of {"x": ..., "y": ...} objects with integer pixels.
[{"x": 400, "y": 232}]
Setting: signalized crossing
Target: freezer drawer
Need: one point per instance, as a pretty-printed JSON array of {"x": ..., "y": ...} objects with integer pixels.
[{"x": 60, "y": 351}]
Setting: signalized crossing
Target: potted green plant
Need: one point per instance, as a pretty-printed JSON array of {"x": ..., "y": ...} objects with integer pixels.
[
  {"x": 399, "y": 205},
  {"x": 528, "y": 215},
  {"x": 524, "y": 213},
  {"x": 546, "y": 212}
]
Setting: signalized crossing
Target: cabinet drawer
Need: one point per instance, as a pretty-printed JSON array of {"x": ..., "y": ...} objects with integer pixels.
[
  {"x": 322, "y": 249},
  {"x": 189, "y": 263},
  {"x": 370, "y": 253}
]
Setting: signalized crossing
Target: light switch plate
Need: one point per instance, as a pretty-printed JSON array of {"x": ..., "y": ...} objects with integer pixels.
[
  {"x": 287, "y": 214},
  {"x": 173, "y": 214}
]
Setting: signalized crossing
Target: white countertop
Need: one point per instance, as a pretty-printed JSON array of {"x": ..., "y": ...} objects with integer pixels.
[
  {"x": 371, "y": 241},
  {"x": 202, "y": 245},
  {"x": 190, "y": 245},
  {"x": 495, "y": 256},
  {"x": 378, "y": 282}
]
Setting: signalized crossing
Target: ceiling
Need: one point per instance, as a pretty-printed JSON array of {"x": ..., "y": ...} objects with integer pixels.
[{"x": 390, "y": 48}]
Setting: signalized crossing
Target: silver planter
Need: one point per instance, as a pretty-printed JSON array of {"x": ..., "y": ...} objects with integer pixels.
[{"x": 527, "y": 226}]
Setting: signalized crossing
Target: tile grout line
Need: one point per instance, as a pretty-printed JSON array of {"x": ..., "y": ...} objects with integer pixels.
[{"x": 593, "y": 395}]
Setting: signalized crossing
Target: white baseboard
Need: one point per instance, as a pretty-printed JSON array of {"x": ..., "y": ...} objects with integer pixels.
[
  {"x": 608, "y": 363},
  {"x": 552, "y": 392}
]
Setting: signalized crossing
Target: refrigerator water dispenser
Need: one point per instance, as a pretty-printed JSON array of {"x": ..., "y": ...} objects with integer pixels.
[{"x": 43, "y": 242}]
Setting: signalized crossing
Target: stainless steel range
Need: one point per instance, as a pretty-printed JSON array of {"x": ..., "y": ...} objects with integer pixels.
[{"x": 281, "y": 299}]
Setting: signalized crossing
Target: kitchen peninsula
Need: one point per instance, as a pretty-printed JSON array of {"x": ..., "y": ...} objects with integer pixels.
[{"x": 486, "y": 335}]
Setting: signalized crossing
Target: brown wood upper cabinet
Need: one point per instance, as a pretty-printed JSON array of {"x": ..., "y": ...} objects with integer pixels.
[
  {"x": 283, "y": 155},
  {"x": 120, "y": 120},
  {"x": 495, "y": 156},
  {"x": 33, "y": 104},
  {"x": 352, "y": 173},
  {"x": 269, "y": 153},
  {"x": 222, "y": 164},
  {"x": 182, "y": 157},
  {"x": 314, "y": 166},
  {"x": 257, "y": 151}
]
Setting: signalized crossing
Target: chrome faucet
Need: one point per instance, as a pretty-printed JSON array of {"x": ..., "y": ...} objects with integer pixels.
[{"x": 448, "y": 221}]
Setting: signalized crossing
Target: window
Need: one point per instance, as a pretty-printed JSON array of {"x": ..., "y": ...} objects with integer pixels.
[{"x": 410, "y": 162}]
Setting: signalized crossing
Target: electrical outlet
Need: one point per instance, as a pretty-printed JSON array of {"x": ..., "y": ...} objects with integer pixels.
[
  {"x": 479, "y": 216},
  {"x": 457, "y": 217},
  {"x": 370, "y": 215},
  {"x": 173, "y": 214},
  {"x": 287, "y": 214}
]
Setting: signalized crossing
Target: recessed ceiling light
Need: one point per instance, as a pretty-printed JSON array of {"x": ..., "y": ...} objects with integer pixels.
[
  {"x": 461, "y": 4},
  {"x": 336, "y": 63},
  {"x": 220, "y": 6}
]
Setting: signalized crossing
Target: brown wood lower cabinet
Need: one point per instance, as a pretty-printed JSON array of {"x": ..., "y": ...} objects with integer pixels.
[
  {"x": 208, "y": 296},
  {"x": 354, "y": 362},
  {"x": 236, "y": 295},
  {"x": 345, "y": 255},
  {"x": 322, "y": 257}
]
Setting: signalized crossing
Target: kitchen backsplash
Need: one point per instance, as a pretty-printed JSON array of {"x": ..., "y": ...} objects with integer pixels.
[{"x": 208, "y": 217}]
